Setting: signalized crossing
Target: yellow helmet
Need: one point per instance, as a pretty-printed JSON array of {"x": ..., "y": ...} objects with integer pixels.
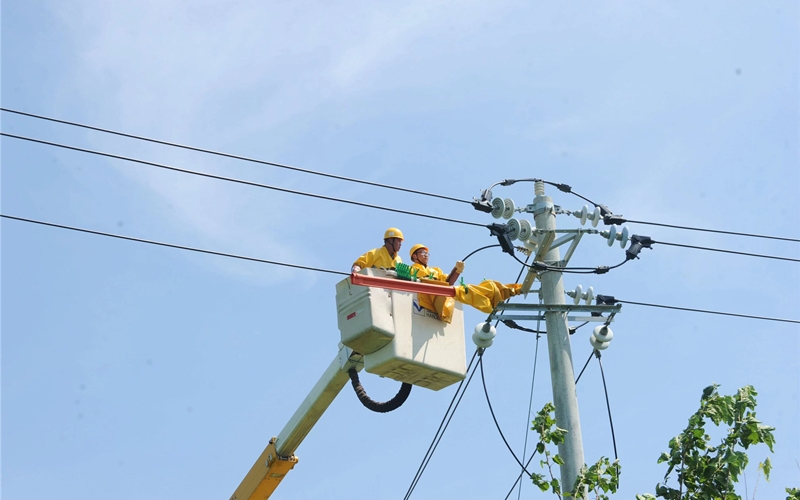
[
  {"x": 415, "y": 248},
  {"x": 393, "y": 232}
]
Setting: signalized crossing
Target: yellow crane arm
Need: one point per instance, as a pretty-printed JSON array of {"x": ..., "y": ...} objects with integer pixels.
[{"x": 278, "y": 457}]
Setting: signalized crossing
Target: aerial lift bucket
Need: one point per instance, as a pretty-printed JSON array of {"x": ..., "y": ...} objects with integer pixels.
[{"x": 399, "y": 339}]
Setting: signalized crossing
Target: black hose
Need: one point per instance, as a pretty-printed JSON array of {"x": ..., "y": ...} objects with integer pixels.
[{"x": 392, "y": 404}]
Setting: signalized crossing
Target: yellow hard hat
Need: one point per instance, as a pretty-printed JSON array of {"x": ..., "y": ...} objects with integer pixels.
[
  {"x": 415, "y": 248},
  {"x": 393, "y": 232}
]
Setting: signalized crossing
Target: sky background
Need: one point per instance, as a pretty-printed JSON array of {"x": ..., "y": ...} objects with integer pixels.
[{"x": 140, "y": 372}]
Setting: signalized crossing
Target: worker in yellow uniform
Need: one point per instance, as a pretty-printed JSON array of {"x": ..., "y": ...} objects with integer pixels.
[
  {"x": 385, "y": 256},
  {"x": 483, "y": 297}
]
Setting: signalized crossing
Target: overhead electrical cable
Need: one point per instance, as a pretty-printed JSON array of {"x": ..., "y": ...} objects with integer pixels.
[
  {"x": 656, "y": 242},
  {"x": 530, "y": 399},
  {"x": 491, "y": 410},
  {"x": 448, "y": 415},
  {"x": 705, "y": 311},
  {"x": 171, "y": 245},
  {"x": 240, "y": 181},
  {"x": 610, "y": 218},
  {"x": 235, "y": 157},
  {"x": 584, "y": 367},
  {"x": 309, "y": 268},
  {"x": 608, "y": 405},
  {"x": 796, "y": 240}
]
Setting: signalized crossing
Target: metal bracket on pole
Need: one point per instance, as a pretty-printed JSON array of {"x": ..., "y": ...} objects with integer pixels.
[{"x": 513, "y": 311}]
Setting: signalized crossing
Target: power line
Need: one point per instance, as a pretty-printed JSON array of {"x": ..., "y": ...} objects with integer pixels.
[
  {"x": 486, "y": 392},
  {"x": 309, "y": 268},
  {"x": 448, "y": 415},
  {"x": 610, "y": 218},
  {"x": 235, "y": 157},
  {"x": 726, "y": 251},
  {"x": 239, "y": 181},
  {"x": 530, "y": 402},
  {"x": 796, "y": 240},
  {"x": 708, "y": 312},
  {"x": 171, "y": 245},
  {"x": 608, "y": 405}
]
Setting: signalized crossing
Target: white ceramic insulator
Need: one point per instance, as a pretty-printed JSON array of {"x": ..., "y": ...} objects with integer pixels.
[
  {"x": 603, "y": 333},
  {"x": 498, "y": 207},
  {"x": 576, "y": 298},
  {"x": 589, "y": 295},
  {"x": 584, "y": 214},
  {"x": 484, "y": 337},
  {"x": 510, "y": 207},
  {"x": 623, "y": 238},
  {"x": 600, "y": 346},
  {"x": 525, "y": 230},
  {"x": 596, "y": 216},
  {"x": 538, "y": 188},
  {"x": 513, "y": 229},
  {"x": 612, "y": 235}
]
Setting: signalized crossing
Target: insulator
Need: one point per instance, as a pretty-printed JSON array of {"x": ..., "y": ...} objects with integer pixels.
[
  {"x": 509, "y": 210},
  {"x": 589, "y": 295},
  {"x": 538, "y": 188},
  {"x": 596, "y": 216},
  {"x": 525, "y": 230},
  {"x": 513, "y": 229},
  {"x": 584, "y": 214},
  {"x": 603, "y": 333},
  {"x": 576, "y": 298},
  {"x": 600, "y": 346},
  {"x": 623, "y": 238},
  {"x": 484, "y": 335},
  {"x": 498, "y": 207},
  {"x": 612, "y": 235}
]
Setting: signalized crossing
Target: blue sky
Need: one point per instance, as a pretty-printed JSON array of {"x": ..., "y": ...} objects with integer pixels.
[{"x": 145, "y": 372}]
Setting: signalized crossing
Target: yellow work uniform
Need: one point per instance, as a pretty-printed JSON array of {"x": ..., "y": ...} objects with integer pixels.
[
  {"x": 378, "y": 257},
  {"x": 484, "y": 296},
  {"x": 443, "y": 306}
]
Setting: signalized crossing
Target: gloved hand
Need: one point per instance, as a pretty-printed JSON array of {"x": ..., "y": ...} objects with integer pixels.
[
  {"x": 459, "y": 266},
  {"x": 355, "y": 269}
]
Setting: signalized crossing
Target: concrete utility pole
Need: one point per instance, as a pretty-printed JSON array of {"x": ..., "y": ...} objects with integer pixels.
[{"x": 558, "y": 346}]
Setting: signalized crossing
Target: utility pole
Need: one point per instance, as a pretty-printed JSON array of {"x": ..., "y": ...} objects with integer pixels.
[{"x": 560, "y": 351}]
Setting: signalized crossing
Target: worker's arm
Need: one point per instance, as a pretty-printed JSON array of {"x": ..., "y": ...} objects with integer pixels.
[
  {"x": 366, "y": 260},
  {"x": 455, "y": 273}
]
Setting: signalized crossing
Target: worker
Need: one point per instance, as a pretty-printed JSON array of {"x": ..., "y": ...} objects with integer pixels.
[
  {"x": 385, "y": 256},
  {"x": 484, "y": 296}
]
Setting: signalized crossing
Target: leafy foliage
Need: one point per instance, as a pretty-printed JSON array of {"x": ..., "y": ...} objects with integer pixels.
[
  {"x": 703, "y": 471},
  {"x": 600, "y": 479}
]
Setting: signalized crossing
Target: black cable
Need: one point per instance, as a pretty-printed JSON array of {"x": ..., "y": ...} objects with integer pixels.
[
  {"x": 530, "y": 405},
  {"x": 180, "y": 247},
  {"x": 235, "y": 157},
  {"x": 584, "y": 366},
  {"x": 448, "y": 415},
  {"x": 486, "y": 392},
  {"x": 514, "y": 326},
  {"x": 726, "y": 251},
  {"x": 478, "y": 250},
  {"x": 609, "y": 218},
  {"x": 239, "y": 181},
  {"x": 521, "y": 474},
  {"x": 608, "y": 405},
  {"x": 536, "y": 266},
  {"x": 522, "y": 269},
  {"x": 309, "y": 268},
  {"x": 765, "y": 318},
  {"x": 712, "y": 230},
  {"x": 370, "y": 404}
]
